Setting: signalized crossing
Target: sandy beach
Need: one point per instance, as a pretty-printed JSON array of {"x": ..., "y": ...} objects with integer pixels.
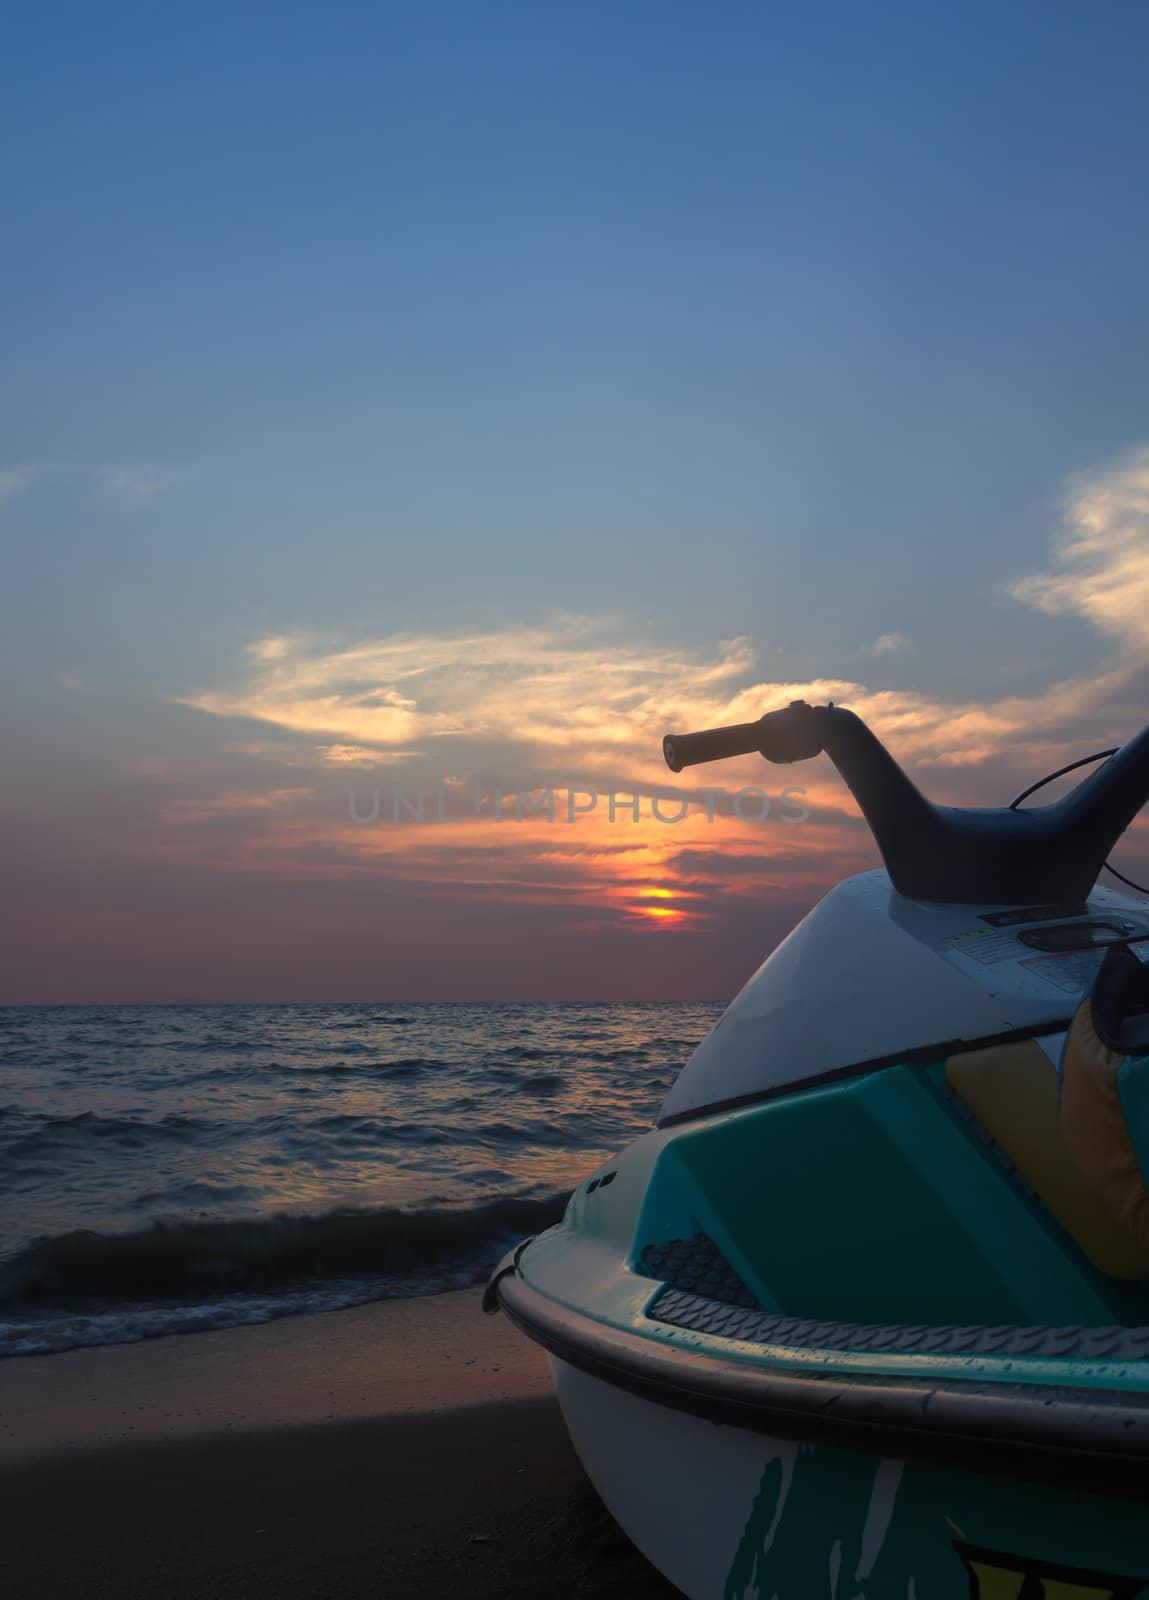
[{"x": 402, "y": 1448}]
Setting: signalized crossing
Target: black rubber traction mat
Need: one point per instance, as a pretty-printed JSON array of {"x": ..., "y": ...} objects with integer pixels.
[
  {"x": 728, "y": 1320},
  {"x": 698, "y": 1267}
]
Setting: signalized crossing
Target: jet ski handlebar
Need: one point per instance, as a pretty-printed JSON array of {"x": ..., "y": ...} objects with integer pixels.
[
  {"x": 787, "y": 735},
  {"x": 981, "y": 856}
]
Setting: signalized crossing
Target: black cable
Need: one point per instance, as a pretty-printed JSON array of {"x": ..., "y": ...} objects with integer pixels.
[
  {"x": 1124, "y": 879},
  {"x": 1101, "y": 755}
]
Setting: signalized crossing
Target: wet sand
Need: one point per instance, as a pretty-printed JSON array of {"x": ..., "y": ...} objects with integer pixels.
[{"x": 404, "y": 1448}]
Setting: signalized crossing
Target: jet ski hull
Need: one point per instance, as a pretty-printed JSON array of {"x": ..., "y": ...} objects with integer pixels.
[
  {"x": 751, "y": 1450},
  {"x": 868, "y": 1488},
  {"x": 852, "y": 1319},
  {"x": 730, "y": 1514}
]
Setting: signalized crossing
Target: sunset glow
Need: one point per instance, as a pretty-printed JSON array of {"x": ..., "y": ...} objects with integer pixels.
[{"x": 398, "y": 453}]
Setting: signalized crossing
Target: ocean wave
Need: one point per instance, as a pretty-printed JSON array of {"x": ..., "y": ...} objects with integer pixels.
[
  {"x": 186, "y": 1260},
  {"x": 355, "y": 1024},
  {"x": 229, "y": 1123},
  {"x": 372, "y": 1071},
  {"x": 130, "y": 1324},
  {"x": 31, "y": 1135},
  {"x": 198, "y": 1192}
]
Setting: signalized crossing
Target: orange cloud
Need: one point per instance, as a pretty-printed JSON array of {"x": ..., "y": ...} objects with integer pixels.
[
  {"x": 574, "y": 702},
  {"x": 575, "y": 694}
]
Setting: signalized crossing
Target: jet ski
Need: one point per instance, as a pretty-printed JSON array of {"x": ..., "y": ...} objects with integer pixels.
[{"x": 866, "y": 1312}]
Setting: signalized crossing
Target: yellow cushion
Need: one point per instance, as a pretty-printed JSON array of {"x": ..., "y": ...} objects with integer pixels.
[
  {"x": 1095, "y": 1129},
  {"x": 1012, "y": 1090}
]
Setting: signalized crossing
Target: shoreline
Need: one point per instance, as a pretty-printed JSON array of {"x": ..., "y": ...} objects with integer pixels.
[
  {"x": 384, "y": 1358},
  {"x": 404, "y": 1447}
]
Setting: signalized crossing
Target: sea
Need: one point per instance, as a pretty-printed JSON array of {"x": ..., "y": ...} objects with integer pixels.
[{"x": 165, "y": 1169}]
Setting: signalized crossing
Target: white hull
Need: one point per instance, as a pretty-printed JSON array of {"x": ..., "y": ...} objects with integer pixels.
[{"x": 681, "y": 1488}]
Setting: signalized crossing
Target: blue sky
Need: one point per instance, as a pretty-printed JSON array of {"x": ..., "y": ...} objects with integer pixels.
[{"x": 777, "y": 323}]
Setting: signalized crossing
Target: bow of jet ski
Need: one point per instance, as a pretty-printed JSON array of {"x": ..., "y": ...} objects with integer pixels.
[{"x": 866, "y": 1312}]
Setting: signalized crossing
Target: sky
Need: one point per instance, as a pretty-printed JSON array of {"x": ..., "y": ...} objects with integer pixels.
[{"x": 396, "y": 398}]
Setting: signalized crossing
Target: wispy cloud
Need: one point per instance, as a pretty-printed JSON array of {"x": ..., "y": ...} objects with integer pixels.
[
  {"x": 133, "y": 482},
  {"x": 234, "y": 803},
  {"x": 1101, "y": 562},
  {"x": 568, "y": 689},
  {"x": 889, "y": 644},
  {"x": 577, "y": 693},
  {"x": 359, "y": 755},
  {"x": 17, "y": 480},
  {"x": 143, "y": 480}
]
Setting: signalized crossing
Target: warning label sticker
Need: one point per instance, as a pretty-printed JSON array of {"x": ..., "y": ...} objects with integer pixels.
[
  {"x": 986, "y": 945},
  {"x": 1074, "y": 972}
]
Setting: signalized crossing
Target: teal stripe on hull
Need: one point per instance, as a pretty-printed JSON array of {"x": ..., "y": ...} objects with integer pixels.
[{"x": 827, "y": 1522}]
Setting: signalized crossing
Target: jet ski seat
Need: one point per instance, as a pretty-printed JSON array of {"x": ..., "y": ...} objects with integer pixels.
[
  {"x": 1105, "y": 1091},
  {"x": 1060, "y": 1150}
]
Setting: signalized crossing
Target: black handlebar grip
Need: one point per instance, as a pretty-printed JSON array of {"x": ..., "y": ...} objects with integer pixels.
[
  {"x": 792, "y": 734},
  {"x": 715, "y": 744}
]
